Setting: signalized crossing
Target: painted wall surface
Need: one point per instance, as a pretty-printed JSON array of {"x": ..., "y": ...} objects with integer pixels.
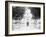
[{"x": 2, "y": 19}]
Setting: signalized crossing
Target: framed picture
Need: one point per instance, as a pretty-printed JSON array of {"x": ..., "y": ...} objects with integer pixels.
[{"x": 24, "y": 18}]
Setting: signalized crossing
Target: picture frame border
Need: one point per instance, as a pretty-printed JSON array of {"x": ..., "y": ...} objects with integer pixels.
[{"x": 6, "y": 18}]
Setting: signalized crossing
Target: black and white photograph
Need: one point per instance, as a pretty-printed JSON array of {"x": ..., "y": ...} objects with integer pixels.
[{"x": 25, "y": 18}]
